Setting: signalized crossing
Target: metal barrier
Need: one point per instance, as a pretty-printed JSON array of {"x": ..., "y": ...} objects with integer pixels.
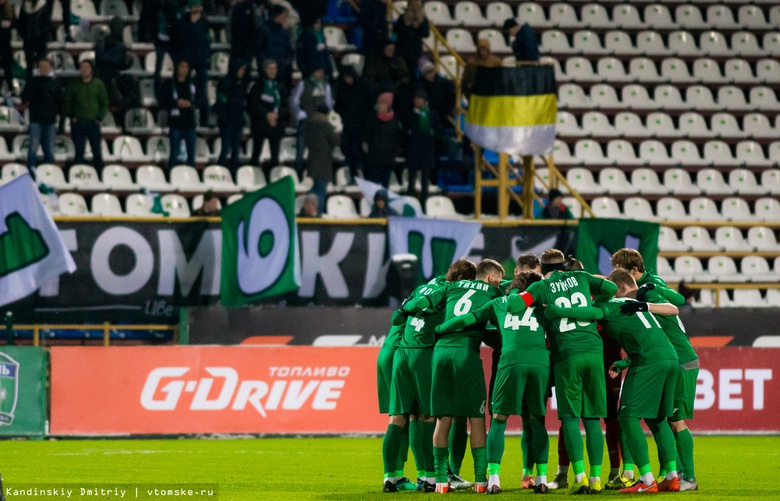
[{"x": 106, "y": 327}]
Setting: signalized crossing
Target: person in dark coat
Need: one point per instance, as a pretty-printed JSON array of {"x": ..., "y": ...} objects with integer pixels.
[
  {"x": 424, "y": 129},
  {"x": 245, "y": 29},
  {"x": 33, "y": 26},
  {"x": 525, "y": 46},
  {"x": 382, "y": 136},
  {"x": 45, "y": 97},
  {"x": 178, "y": 96},
  {"x": 353, "y": 103},
  {"x": 267, "y": 101},
  {"x": 111, "y": 58},
  {"x": 307, "y": 95},
  {"x": 168, "y": 15},
  {"x": 7, "y": 24},
  {"x": 441, "y": 91},
  {"x": 194, "y": 46},
  {"x": 555, "y": 208},
  {"x": 320, "y": 141},
  {"x": 376, "y": 30},
  {"x": 388, "y": 72},
  {"x": 312, "y": 50},
  {"x": 278, "y": 44},
  {"x": 230, "y": 106},
  {"x": 410, "y": 29},
  {"x": 381, "y": 206}
]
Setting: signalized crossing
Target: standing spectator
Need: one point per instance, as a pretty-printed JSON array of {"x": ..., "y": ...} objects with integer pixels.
[
  {"x": 388, "y": 72},
  {"x": 86, "y": 103},
  {"x": 555, "y": 208},
  {"x": 353, "y": 104},
  {"x": 483, "y": 57},
  {"x": 230, "y": 106},
  {"x": 244, "y": 30},
  {"x": 310, "y": 93},
  {"x": 278, "y": 43},
  {"x": 147, "y": 21},
  {"x": 111, "y": 58},
  {"x": 410, "y": 30},
  {"x": 525, "y": 46},
  {"x": 320, "y": 140},
  {"x": 43, "y": 94},
  {"x": 313, "y": 51},
  {"x": 33, "y": 26},
  {"x": 424, "y": 129},
  {"x": 266, "y": 102},
  {"x": 65, "y": 17},
  {"x": 376, "y": 29},
  {"x": 441, "y": 91},
  {"x": 168, "y": 15},
  {"x": 194, "y": 45},
  {"x": 382, "y": 137},
  {"x": 178, "y": 97},
  {"x": 7, "y": 23}
]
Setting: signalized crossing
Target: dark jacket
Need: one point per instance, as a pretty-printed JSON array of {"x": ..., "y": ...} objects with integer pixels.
[
  {"x": 386, "y": 74},
  {"x": 231, "y": 101},
  {"x": 278, "y": 45},
  {"x": 353, "y": 102},
  {"x": 259, "y": 104},
  {"x": 526, "y": 45},
  {"x": 86, "y": 100},
  {"x": 320, "y": 138},
  {"x": 45, "y": 97},
  {"x": 422, "y": 140},
  {"x": 551, "y": 211},
  {"x": 383, "y": 139},
  {"x": 243, "y": 32},
  {"x": 172, "y": 91},
  {"x": 34, "y": 26},
  {"x": 194, "y": 42},
  {"x": 111, "y": 53},
  {"x": 408, "y": 40},
  {"x": 441, "y": 95},
  {"x": 7, "y": 24},
  {"x": 312, "y": 52},
  {"x": 168, "y": 20},
  {"x": 373, "y": 19}
]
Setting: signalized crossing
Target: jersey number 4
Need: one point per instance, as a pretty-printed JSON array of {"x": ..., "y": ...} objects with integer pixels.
[
  {"x": 514, "y": 322},
  {"x": 418, "y": 323},
  {"x": 579, "y": 300}
]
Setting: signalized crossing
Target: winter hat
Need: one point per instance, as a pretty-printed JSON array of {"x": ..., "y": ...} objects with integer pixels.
[
  {"x": 510, "y": 23},
  {"x": 426, "y": 67},
  {"x": 386, "y": 98},
  {"x": 554, "y": 194},
  {"x": 421, "y": 93},
  {"x": 322, "y": 108}
]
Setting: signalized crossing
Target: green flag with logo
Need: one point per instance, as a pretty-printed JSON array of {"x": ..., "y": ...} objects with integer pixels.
[
  {"x": 598, "y": 239},
  {"x": 260, "y": 245}
]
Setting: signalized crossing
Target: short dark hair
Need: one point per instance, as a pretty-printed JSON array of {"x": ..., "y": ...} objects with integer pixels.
[
  {"x": 462, "y": 269},
  {"x": 620, "y": 277},
  {"x": 524, "y": 279},
  {"x": 529, "y": 261},
  {"x": 628, "y": 259},
  {"x": 488, "y": 266}
]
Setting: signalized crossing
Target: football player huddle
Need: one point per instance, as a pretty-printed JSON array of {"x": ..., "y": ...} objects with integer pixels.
[{"x": 555, "y": 329}]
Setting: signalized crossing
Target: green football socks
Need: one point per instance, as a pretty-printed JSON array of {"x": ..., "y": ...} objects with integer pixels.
[
  {"x": 440, "y": 455},
  {"x": 594, "y": 442},
  {"x": 480, "y": 463},
  {"x": 430, "y": 467},
  {"x": 540, "y": 442},
  {"x": 526, "y": 440},
  {"x": 403, "y": 451},
  {"x": 495, "y": 441},
  {"x": 573, "y": 441},
  {"x": 458, "y": 441},
  {"x": 390, "y": 447},
  {"x": 416, "y": 443},
  {"x": 685, "y": 453}
]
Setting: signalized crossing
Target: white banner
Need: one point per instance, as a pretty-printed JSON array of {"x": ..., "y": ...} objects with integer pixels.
[{"x": 32, "y": 251}]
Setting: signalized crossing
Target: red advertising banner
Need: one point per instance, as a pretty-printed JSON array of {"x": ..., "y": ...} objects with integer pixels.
[
  {"x": 173, "y": 390},
  {"x": 283, "y": 390}
]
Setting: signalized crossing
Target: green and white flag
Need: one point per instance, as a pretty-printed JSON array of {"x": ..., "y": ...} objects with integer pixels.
[
  {"x": 32, "y": 251},
  {"x": 598, "y": 239},
  {"x": 260, "y": 245},
  {"x": 437, "y": 243}
]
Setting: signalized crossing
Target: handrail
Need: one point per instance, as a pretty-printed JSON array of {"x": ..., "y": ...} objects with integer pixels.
[
  {"x": 584, "y": 206},
  {"x": 106, "y": 327}
]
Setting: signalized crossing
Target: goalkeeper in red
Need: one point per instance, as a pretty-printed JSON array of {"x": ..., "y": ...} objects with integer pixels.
[
  {"x": 578, "y": 364},
  {"x": 522, "y": 377},
  {"x": 649, "y": 386}
]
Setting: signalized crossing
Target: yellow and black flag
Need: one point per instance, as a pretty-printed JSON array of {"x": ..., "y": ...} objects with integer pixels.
[{"x": 513, "y": 109}]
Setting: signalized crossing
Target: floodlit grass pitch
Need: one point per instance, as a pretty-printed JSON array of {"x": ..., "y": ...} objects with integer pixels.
[{"x": 337, "y": 468}]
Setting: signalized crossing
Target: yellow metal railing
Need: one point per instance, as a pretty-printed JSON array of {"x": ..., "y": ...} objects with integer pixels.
[{"x": 106, "y": 327}]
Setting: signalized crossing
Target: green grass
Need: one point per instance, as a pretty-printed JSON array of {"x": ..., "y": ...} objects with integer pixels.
[{"x": 334, "y": 468}]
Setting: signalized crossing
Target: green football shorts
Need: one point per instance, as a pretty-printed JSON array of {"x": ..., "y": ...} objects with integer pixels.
[
  {"x": 384, "y": 375},
  {"x": 580, "y": 389},
  {"x": 685, "y": 393},
  {"x": 649, "y": 390},
  {"x": 521, "y": 387},
  {"x": 410, "y": 391},
  {"x": 458, "y": 387}
]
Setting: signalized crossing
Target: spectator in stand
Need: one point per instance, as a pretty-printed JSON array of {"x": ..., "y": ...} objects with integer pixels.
[
  {"x": 7, "y": 23},
  {"x": 86, "y": 103},
  {"x": 278, "y": 43},
  {"x": 555, "y": 208},
  {"x": 210, "y": 205},
  {"x": 320, "y": 140},
  {"x": 424, "y": 129},
  {"x": 33, "y": 26},
  {"x": 310, "y": 93},
  {"x": 147, "y": 21},
  {"x": 410, "y": 29},
  {"x": 178, "y": 97},
  {"x": 168, "y": 15},
  {"x": 381, "y": 206},
  {"x": 266, "y": 102},
  {"x": 194, "y": 45},
  {"x": 388, "y": 72},
  {"x": 44, "y": 97},
  {"x": 376, "y": 29},
  {"x": 525, "y": 45},
  {"x": 353, "y": 104},
  {"x": 483, "y": 57},
  {"x": 441, "y": 91},
  {"x": 382, "y": 136},
  {"x": 111, "y": 58},
  {"x": 244, "y": 30},
  {"x": 311, "y": 206},
  {"x": 65, "y": 17},
  {"x": 313, "y": 51},
  {"x": 230, "y": 106}
]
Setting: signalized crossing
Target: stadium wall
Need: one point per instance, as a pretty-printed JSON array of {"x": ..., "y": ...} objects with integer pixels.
[{"x": 311, "y": 390}]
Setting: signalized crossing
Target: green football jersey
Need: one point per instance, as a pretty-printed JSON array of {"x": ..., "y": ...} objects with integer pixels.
[
  {"x": 639, "y": 334},
  {"x": 459, "y": 299},
  {"x": 418, "y": 332},
  {"x": 673, "y": 328},
  {"x": 393, "y": 338},
  {"x": 568, "y": 289},
  {"x": 674, "y": 297},
  {"x": 522, "y": 333}
]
